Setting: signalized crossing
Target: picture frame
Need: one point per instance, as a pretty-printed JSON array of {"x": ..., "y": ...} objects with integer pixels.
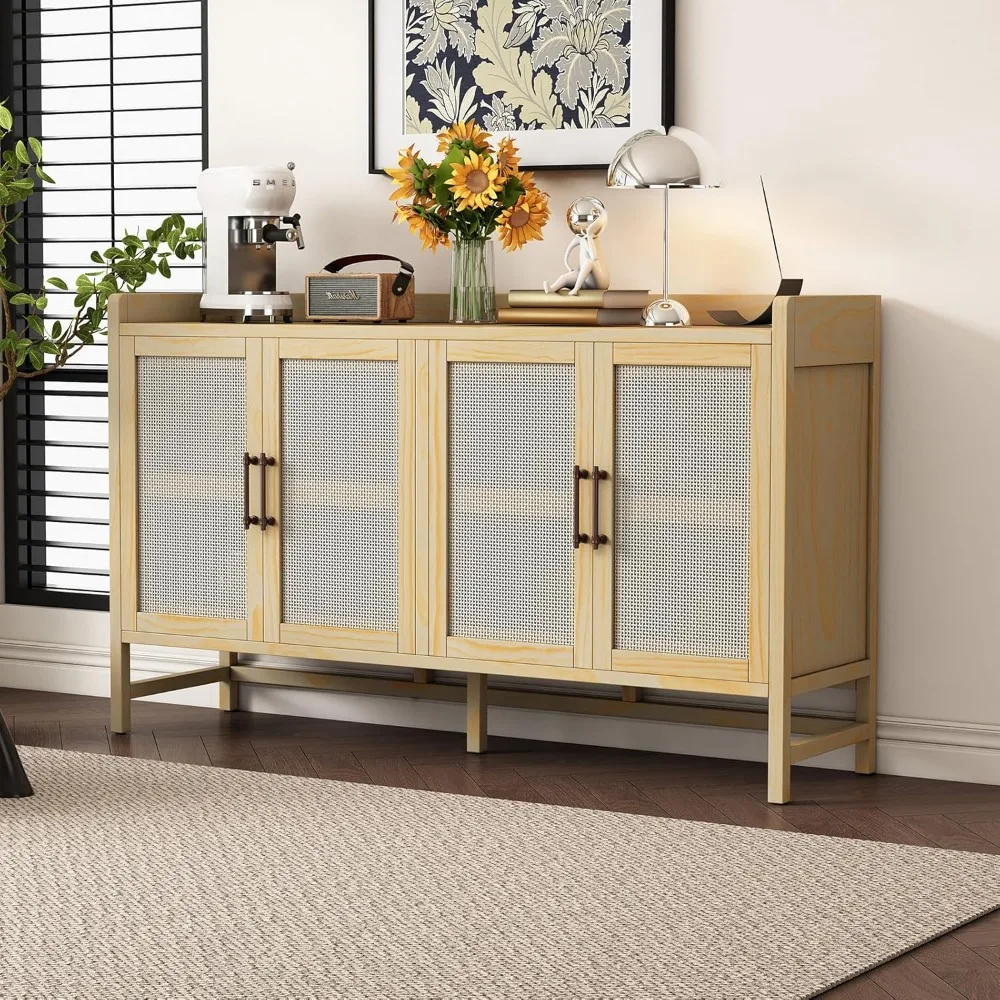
[{"x": 511, "y": 64}]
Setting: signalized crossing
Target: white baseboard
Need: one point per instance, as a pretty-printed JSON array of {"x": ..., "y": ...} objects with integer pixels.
[{"x": 916, "y": 747}]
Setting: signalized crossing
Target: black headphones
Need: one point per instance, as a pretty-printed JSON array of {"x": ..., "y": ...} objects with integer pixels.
[{"x": 402, "y": 281}]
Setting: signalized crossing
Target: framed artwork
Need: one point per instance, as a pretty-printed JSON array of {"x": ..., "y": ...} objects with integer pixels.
[{"x": 569, "y": 79}]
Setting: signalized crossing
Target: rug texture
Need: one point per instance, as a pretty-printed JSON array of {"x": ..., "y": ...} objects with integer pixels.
[{"x": 136, "y": 879}]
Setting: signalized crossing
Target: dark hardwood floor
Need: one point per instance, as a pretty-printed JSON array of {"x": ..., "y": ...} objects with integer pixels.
[{"x": 880, "y": 807}]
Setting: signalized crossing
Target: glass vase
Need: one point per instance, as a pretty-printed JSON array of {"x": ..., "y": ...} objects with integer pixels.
[{"x": 473, "y": 282}]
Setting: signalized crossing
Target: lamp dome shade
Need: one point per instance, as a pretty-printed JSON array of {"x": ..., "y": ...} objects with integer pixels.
[{"x": 679, "y": 159}]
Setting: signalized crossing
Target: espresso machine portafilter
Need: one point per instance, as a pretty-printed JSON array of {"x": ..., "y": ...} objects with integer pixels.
[{"x": 246, "y": 213}]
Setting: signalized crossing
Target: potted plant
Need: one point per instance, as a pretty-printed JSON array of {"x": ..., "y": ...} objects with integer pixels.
[
  {"x": 475, "y": 190},
  {"x": 32, "y": 347}
]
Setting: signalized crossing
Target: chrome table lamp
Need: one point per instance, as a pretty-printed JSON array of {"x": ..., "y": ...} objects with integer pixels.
[{"x": 679, "y": 159}]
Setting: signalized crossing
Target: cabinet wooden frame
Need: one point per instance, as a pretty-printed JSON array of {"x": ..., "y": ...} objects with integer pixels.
[
  {"x": 442, "y": 354},
  {"x": 130, "y": 350},
  {"x": 815, "y": 376},
  {"x": 276, "y": 350},
  {"x": 758, "y": 359}
]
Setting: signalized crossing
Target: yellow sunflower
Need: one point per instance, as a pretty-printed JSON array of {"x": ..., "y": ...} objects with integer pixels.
[
  {"x": 508, "y": 158},
  {"x": 474, "y": 182},
  {"x": 527, "y": 179},
  {"x": 431, "y": 237},
  {"x": 523, "y": 221},
  {"x": 403, "y": 176},
  {"x": 468, "y": 132}
]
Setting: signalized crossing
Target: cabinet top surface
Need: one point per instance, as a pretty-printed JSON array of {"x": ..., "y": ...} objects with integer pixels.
[
  {"x": 177, "y": 314},
  {"x": 832, "y": 329},
  {"x": 458, "y": 332}
]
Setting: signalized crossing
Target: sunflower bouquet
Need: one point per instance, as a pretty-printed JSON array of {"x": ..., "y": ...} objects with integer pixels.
[{"x": 475, "y": 190}]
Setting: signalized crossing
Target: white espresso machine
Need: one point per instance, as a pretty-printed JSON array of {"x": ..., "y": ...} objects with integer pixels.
[{"x": 246, "y": 213}]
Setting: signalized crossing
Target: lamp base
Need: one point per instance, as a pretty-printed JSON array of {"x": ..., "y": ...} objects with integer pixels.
[{"x": 665, "y": 312}]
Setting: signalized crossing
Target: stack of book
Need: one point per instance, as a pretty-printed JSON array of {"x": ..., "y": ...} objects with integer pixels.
[{"x": 589, "y": 307}]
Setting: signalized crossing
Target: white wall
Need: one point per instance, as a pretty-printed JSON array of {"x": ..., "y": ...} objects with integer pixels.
[{"x": 875, "y": 125}]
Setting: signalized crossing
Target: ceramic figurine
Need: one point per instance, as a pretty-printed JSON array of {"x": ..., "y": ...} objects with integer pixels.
[{"x": 586, "y": 218}]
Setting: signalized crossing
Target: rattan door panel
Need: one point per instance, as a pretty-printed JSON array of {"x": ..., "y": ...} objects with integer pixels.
[
  {"x": 677, "y": 589},
  {"x": 187, "y": 420},
  {"x": 342, "y": 476},
  {"x": 510, "y": 435}
]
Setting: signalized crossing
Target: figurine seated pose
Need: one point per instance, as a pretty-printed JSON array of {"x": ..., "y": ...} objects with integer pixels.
[{"x": 586, "y": 218}]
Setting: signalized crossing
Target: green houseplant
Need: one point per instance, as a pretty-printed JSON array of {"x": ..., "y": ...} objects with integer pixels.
[{"x": 30, "y": 347}]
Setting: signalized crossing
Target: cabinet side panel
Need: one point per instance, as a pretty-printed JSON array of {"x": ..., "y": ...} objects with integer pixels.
[{"x": 828, "y": 516}]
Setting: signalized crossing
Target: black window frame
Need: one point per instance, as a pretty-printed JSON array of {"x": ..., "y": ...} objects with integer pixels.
[{"x": 23, "y": 408}]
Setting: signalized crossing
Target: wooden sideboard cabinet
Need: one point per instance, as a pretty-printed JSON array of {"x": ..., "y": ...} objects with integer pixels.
[{"x": 690, "y": 510}]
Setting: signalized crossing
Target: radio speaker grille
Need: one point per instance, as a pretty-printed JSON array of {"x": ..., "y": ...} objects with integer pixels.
[{"x": 343, "y": 295}]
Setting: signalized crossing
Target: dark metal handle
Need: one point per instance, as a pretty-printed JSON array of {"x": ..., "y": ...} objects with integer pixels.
[
  {"x": 599, "y": 539},
  {"x": 578, "y": 474},
  {"x": 248, "y": 460},
  {"x": 264, "y": 463}
]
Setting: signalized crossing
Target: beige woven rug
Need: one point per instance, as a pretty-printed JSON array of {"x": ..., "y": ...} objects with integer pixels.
[{"x": 135, "y": 879}]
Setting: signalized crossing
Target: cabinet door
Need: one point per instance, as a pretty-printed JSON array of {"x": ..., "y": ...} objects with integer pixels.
[
  {"x": 339, "y": 423},
  {"x": 189, "y": 412},
  {"x": 508, "y": 423},
  {"x": 684, "y": 433}
]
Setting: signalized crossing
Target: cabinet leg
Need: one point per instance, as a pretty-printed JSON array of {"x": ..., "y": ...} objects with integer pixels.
[
  {"x": 475, "y": 713},
  {"x": 229, "y": 691},
  {"x": 121, "y": 687},
  {"x": 421, "y": 676},
  {"x": 865, "y": 753},
  {"x": 779, "y": 747}
]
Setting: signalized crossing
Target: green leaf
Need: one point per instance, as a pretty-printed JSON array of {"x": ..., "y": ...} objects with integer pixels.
[
  {"x": 86, "y": 336},
  {"x": 22, "y": 299},
  {"x": 36, "y": 147},
  {"x": 42, "y": 302},
  {"x": 113, "y": 253},
  {"x": 57, "y": 328},
  {"x": 36, "y": 357},
  {"x": 21, "y": 152},
  {"x": 36, "y": 324},
  {"x": 81, "y": 300},
  {"x": 6, "y": 118},
  {"x": 164, "y": 267},
  {"x": 49, "y": 348},
  {"x": 96, "y": 257},
  {"x": 58, "y": 283},
  {"x": 44, "y": 176},
  {"x": 7, "y": 285}
]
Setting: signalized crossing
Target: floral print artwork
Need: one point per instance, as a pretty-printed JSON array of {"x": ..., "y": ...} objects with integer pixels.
[{"x": 514, "y": 65}]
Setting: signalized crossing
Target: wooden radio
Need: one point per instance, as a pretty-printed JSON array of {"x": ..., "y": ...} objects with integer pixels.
[{"x": 331, "y": 295}]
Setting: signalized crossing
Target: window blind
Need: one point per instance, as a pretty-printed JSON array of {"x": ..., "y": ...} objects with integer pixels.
[{"x": 116, "y": 91}]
